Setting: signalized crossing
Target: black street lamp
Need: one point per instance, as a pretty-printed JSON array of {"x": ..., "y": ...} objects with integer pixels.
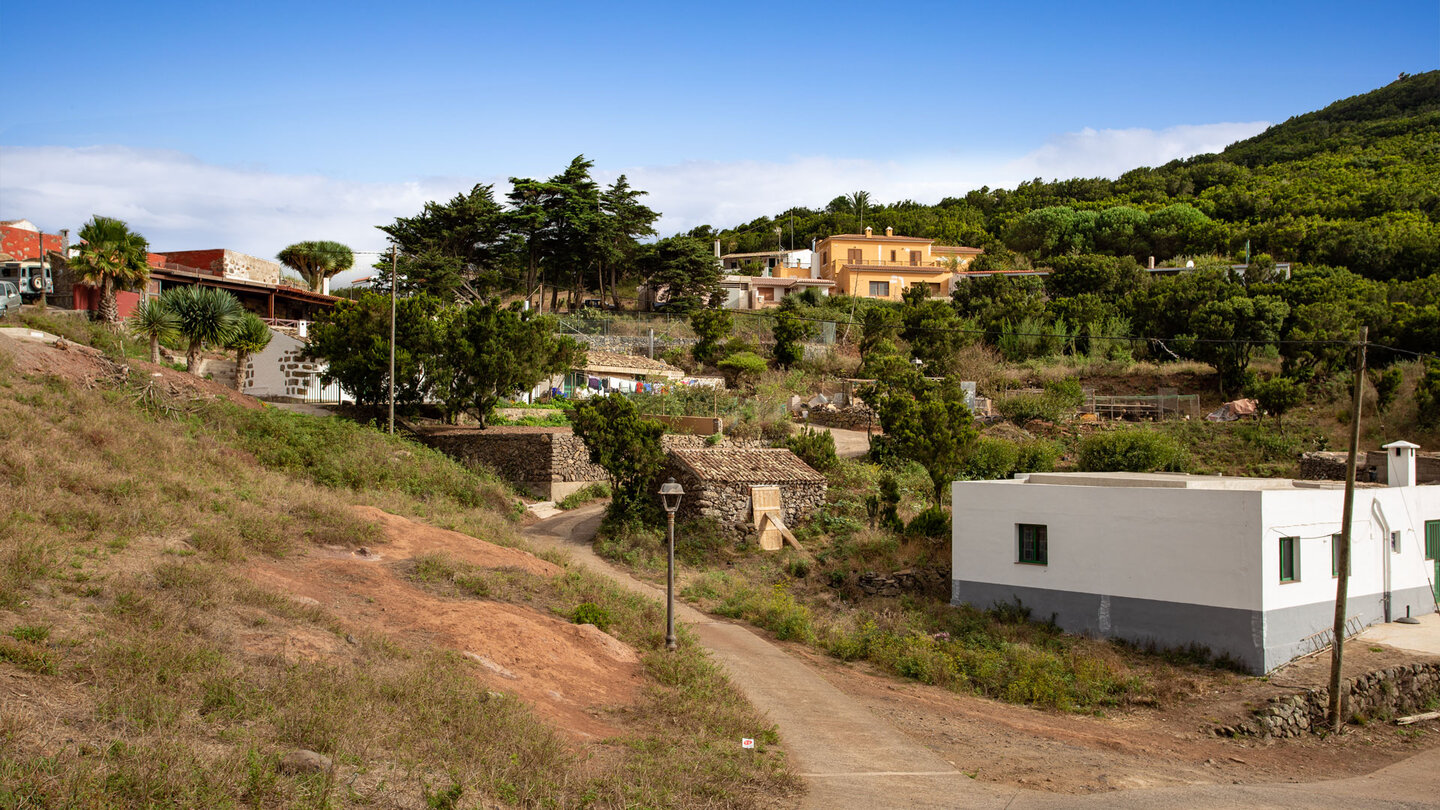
[{"x": 670, "y": 495}]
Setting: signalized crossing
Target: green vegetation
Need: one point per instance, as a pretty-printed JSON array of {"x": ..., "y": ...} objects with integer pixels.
[
  {"x": 112, "y": 257},
  {"x": 204, "y": 316},
  {"x": 994, "y": 653},
  {"x": 467, "y": 358},
  {"x": 155, "y": 322},
  {"x": 1130, "y": 451},
  {"x": 316, "y": 261},
  {"x": 584, "y": 495},
  {"x": 251, "y": 335},
  {"x": 627, "y": 446},
  {"x": 815, "y": 447}
]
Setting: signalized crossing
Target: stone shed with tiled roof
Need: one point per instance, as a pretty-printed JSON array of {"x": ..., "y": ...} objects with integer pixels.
[
  {"x": 630, "y": 365},
  {"x": 718, "y": 484}
]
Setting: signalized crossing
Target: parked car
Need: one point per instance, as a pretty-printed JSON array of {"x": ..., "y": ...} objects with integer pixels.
[
  {"x": 9, "y": 298},
  {"x": 31, "y": 278}
]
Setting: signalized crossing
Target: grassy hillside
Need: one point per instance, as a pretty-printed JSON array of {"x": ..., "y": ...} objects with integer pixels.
[
  {"x": 144, "y": 667},
  {"x": 1351, "y": 185}
]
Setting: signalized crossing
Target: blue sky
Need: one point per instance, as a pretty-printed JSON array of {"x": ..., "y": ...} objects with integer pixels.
[{"x": 262, "y": 123}]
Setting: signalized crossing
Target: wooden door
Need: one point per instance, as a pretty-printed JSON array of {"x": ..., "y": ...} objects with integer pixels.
[
  {"x": 765, "y": 506},
  {"x": 914, "y": 258}
]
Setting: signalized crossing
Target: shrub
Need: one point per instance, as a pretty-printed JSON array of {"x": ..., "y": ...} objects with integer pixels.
[
  {"x": 584, "y": 495},
  {"x": 1387, "y": 388},
  {"x": 1059, "y": 398},
  {"x": 1036, "y": 456},
  {"x": 933, "y": 522},
  {"x": 1130, "y": 451},
  {"x": 991, "y": 459},
  {"x": 816, "y": 448},
  {"x": 1000, "y": 458},
  {"x": 590, "y": 613},
  {"x": 1427, "y": 396},
  {"x": 742, "y": 368}
]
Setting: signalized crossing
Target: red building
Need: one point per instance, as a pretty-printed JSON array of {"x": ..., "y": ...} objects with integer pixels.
[
  {"x": 21, "y": 241},
  {"x": 256, "y": 282}
]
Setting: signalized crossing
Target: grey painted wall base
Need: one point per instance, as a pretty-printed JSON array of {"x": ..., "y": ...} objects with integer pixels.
[
  {"x": 1285, "y": 628},
  {"x": 1259, "y": 641}
]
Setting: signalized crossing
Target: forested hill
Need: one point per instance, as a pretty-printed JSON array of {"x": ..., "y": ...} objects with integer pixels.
[{"x": 1354, "y": 185}]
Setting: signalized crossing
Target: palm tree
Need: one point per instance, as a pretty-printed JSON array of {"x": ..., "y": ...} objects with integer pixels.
[
  {"x": 250, "y": 337},
  {"x": 153, "y": 320},
  {"x": 206, "y": 315},
  {"x": 317, "y": 261},
  {"x": 859, "y": 202},
  {"x": 109, "y": 255}
]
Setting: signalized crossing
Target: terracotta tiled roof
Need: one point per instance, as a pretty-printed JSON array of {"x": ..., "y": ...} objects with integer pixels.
[
  {"x": 598, "y": 361},
  {"x": 748, "y": 466}
]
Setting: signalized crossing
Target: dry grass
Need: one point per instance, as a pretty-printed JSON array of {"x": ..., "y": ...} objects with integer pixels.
[{"x": 126, "y": 615}]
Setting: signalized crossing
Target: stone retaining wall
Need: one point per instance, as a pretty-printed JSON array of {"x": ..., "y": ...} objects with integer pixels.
[
  {"x": 625, "y": 344},
  {"x": 1383, "y": 694},
  {"x": 849, "y": 417},
  {"x": 547, "y": 462},
  {"x": 1322, "y": 466}
]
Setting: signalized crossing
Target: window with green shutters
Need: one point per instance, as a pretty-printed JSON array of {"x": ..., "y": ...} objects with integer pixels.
[
  {"x": 1289, "y": 559},
  {"x": 1034, "y": 546},
  {"x": 1335, "y": 540},
  {"x": 1432, "y": 539}
]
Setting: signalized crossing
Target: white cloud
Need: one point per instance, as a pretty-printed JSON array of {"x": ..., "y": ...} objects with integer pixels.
[{"x": 181, "y": 203}]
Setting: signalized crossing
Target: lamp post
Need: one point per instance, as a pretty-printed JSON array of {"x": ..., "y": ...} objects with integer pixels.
[{"x": 670, "y": 494}]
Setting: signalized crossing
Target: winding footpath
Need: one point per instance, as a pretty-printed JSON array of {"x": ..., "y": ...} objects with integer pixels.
[{"x": 849, "y": 758}]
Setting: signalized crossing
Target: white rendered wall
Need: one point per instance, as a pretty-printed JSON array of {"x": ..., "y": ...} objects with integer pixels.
[
  {"x": 1176, "y": 545},
  {"x": 269, "y": 377},
  {"x": 1314, "y": 515}
]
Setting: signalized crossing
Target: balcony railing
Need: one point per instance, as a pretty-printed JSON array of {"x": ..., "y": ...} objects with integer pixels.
[{"x": 923, "y": 265}]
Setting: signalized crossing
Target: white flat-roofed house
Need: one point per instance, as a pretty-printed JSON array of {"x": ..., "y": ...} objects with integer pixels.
[{"x": 1244, "y": 566}]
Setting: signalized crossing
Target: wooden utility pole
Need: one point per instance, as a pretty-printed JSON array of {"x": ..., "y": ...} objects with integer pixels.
[
  {"x": 43, "y": 277},
  {"x": 1342, "y": 578},
  {"x": 394, "y": 267}
]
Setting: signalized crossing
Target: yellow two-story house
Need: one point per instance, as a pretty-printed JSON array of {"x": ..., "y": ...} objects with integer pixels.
[{"x": 873, "y": 266}]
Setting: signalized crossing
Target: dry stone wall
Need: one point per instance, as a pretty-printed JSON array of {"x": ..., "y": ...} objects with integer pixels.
[
  {"x": 729, "y": 503},
  {"x": 537, "y": 459},
  {"x": 1382, "y": 694},
  {"x": 849, "y": 417}
]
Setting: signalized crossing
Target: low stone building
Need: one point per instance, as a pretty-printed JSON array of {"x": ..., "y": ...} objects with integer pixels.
[
  {"x": 718, "y": 484},
  {"x": 547, "y": 462}
]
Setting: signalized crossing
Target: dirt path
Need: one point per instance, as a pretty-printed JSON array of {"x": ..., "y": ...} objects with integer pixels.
[
  {"x": 848, "y": 443},
  {"x": 848, "y": 747}
]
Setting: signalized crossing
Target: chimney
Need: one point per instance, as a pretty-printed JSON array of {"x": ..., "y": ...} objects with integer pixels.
[
  {"x": 1400, "y": 463},
  {"x": 1152, "y": 262},
  {"x": 889, "y": 231},
  {"x": 717, "y": 248},
  {"x": 868, "y": 229}
]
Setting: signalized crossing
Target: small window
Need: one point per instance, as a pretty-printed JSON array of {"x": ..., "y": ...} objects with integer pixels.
[
  {"x": 879, "y": 289},
  {"x": 892, "y": 255},
  {"x": 1335, "y": 541},
  {"x": 1034, "y": 548},
  {"x": 1432, "y": 539},
  {"x": 1289, "y": 559}
]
